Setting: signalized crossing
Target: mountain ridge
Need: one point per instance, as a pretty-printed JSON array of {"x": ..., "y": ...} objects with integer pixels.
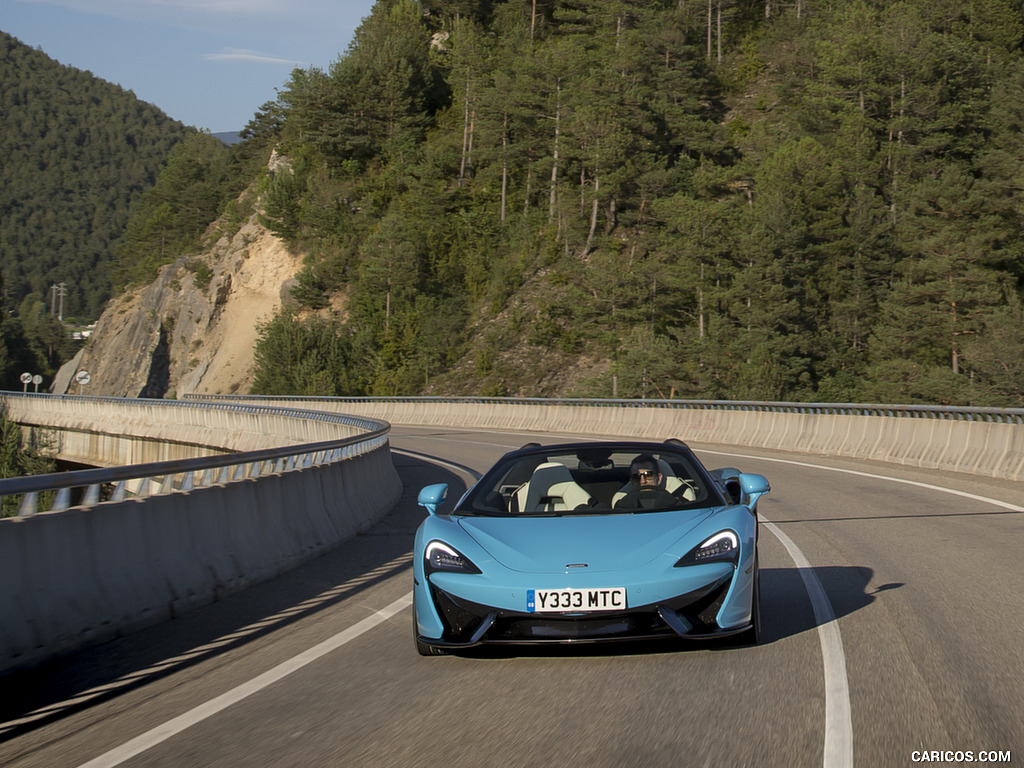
[{"x": 607, "y": 198}]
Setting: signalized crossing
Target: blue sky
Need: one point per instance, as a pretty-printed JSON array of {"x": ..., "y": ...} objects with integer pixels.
[{"x": 207, "y": 63}]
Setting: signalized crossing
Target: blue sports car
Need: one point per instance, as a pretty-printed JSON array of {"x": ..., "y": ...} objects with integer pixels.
[{"x": 587, "y": 542}]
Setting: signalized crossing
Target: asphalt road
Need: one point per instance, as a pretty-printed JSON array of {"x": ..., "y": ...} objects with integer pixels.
[{"x": 893, "y": 624}]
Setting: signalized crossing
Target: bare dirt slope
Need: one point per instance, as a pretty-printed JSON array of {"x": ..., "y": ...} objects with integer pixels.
[{"x": 193, "y": 329}]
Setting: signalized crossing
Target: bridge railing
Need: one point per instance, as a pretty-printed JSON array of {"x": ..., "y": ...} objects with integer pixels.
[
  {"x": 241, "y": 493},
  {"x": 942, "y": 412},
  {"x": 58, "y": 491},
  {"x": 86, "y": 487},
  {"x": 980, "y": 441}
]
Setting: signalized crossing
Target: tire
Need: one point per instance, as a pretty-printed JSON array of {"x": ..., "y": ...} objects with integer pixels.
[{"x": 425, "y": 649}]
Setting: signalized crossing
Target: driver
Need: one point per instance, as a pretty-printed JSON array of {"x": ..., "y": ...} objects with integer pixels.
[{"x": 647, "y": 490}]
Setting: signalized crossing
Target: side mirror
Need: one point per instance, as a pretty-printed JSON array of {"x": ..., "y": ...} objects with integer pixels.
[
  {"x": 729, "y": 478},
  {"x": 431, "y": 497},
  {"x": 754, "y": 487}
]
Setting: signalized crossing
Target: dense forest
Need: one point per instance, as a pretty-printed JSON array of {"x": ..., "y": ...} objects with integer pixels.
[
  {"x": 78, "y": 153},
  {"x": 701, "y": 199},
  {"x": 736, "y": 199}
]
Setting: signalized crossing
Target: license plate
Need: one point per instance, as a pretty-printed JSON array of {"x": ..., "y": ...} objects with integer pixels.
[{"x": 575, "y": 600}]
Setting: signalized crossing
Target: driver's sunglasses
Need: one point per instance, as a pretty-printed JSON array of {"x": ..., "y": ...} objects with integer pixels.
[{"x": 644, "y": 474}]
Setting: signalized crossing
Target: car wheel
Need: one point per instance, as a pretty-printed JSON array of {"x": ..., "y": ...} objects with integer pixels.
[
  {"x": 753, "y": 635},
  {"x": 425, "y": 649}
]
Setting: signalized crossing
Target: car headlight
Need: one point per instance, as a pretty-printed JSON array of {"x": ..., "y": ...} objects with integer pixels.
[
  {"x": 442, "y": 557},
  {"x": 724, "y": 545}
]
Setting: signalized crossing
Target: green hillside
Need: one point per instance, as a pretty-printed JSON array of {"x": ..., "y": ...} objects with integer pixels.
[
  {"x": 803, "y": 201},
  {"x": 815, "y": 201},
  {"x": 77, "y": 155}
]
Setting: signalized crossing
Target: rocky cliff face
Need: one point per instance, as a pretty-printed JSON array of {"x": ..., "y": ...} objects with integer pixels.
[{"x": 193, "y": 329}]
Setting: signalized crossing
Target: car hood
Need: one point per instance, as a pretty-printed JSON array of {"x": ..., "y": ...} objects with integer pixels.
[{"x": 600, "y": 542}]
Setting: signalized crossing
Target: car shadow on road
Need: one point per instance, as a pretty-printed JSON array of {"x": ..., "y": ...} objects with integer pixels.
[
  {"x": 786, "y": 611},
  {"x": 55, "y": 689},
  {"x": 786, "y": 608}
]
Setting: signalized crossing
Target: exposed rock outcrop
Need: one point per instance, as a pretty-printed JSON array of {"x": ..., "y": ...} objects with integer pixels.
[{"x": 193, "y": 330}]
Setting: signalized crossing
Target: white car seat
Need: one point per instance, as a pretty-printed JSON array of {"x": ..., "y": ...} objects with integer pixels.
[{"x": 551, "y": 489}]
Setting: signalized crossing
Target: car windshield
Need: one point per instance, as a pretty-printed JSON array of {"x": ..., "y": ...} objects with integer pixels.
[{"x": 593, "y": 479}]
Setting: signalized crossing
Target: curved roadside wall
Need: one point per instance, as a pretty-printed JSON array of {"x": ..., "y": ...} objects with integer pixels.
[
  {"x": 989, "y": 448},
  {"x": 119, "y": 431},
  {"x": 79, "y": 576}
]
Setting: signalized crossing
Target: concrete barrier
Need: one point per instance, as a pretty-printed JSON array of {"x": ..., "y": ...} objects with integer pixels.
[
  {"x": 84, "y": 575},
  {"x": 75, "y": 577},
  {"x": 975, "y": 446},
  {"x": 118, "y": 431},
  {"x": 79, "y": 576}
]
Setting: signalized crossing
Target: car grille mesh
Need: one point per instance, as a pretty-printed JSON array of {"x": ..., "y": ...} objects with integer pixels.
[{"x": 462, "y": 618}]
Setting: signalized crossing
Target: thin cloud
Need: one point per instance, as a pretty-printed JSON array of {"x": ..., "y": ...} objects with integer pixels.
[
  {"x": 139, "y": 8},
  {"x": 311, "y": 20},
  {"x": 240, "y": 54},
  {"x": 229, "y": 55}
]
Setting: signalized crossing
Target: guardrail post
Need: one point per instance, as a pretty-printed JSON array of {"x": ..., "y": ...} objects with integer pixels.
[
  {"x": 63, "y": 500},
  {"x": 29, "y": 504},
  {"x": 120, "y": 491},
  {"x": 92, "y": 495}
]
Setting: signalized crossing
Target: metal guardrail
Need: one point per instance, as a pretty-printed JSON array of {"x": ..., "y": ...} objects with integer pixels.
[
  {"x": 90, "y": 486},
  {"x": 954, "y": 413}
]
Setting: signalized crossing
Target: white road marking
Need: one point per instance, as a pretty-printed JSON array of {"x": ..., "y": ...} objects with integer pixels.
[
  {"x": 173, "y": 727},
  {"x": 451, "y": 465},
  {"x": 214, "y": 646},
  {"x": 929, "y": 486},
  {"x": 434, "y": 438},
  {"x": 838, "y": 752},
  {"x": 838, "y": 747}
]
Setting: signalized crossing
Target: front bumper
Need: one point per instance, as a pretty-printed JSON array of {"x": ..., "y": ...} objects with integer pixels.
[{"x": 691, "y": 615}]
